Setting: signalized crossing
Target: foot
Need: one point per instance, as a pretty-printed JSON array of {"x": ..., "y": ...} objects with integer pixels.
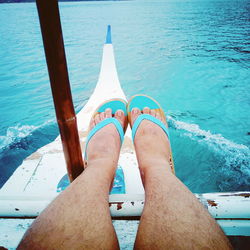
[
  {"x": 105, "y": 144},
  {"x": 151, "y": 143}
]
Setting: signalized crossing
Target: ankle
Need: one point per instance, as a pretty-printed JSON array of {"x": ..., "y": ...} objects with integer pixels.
[
  {"x": 102, "y": 161},
  {"x": 156, "y": 164}
]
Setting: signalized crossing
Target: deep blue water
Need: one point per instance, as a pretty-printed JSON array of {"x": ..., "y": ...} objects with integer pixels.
[{"x": 192, "y": 56}]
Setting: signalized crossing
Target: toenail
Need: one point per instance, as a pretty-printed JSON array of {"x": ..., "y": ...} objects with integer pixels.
[
  {"x": 135, "y": 110},
  {"x": 108, "y": 110}
]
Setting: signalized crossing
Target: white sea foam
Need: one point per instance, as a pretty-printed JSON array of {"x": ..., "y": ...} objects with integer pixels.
[
  {"x": 195, "y": 131},
  {"x": 18, "y": 132},
  {"x": 233, "y": 154},
  {"x": 14, "y": 133}
]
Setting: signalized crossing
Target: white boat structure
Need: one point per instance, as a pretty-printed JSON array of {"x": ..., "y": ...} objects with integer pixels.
[{"x": 36, "y": 182}]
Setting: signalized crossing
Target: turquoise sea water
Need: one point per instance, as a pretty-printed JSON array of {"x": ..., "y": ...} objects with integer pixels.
[{"x": 192, "y": 56}]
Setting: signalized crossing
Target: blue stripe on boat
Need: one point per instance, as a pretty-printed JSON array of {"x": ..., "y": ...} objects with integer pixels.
[{"x": 108, "y": 37}]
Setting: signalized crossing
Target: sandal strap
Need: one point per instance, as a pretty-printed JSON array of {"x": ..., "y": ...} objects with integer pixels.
[
  {"x": 149, "y": 118},
  {"x": 102, "y": 124}
]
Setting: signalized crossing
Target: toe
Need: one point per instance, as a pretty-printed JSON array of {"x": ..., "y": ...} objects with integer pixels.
[
  {"x": 134, "y": 114},
  {"x": 153, "y": 112},
  {"x": 92, "y": 123},
  {"x": 102, "y": 116},
  {"x": 119, "y": 115},
  {"x": 146, "y": 110},
  {"x": 108, "y": 113},
  {"x": 97, "y": 119},
  {"x": 158, "y": 116}
]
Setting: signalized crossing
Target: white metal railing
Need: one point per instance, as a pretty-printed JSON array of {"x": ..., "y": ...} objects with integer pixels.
[{"x": 231, "y": 210}]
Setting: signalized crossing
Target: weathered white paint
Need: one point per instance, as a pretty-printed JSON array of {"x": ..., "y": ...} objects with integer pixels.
[
  {"x": 222, "y": 206},
  {"x": 233, "y": 205}
]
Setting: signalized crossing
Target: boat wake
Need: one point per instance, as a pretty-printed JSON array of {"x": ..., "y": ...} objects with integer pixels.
[
  {"x": 232, "y": 159},
  {"x": 16, "y": 134},
  {"x": 21, "y": 141},
  {"x": 217, "y": 141}
]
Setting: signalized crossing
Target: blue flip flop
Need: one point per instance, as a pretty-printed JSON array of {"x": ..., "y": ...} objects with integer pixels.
[
  {"x": 114, "y": 104},
  {"x": 140, "y": 102}
]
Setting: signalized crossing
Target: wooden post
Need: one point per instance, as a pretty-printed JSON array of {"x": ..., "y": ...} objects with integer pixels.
[{"x": 59, "y": 80}]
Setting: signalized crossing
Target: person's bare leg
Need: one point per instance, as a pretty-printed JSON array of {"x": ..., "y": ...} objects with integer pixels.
[
  {"x": 79, "y": 218},
  {"x": 172, "y": 217}
]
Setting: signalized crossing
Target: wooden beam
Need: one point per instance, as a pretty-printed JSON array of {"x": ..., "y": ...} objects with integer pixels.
[{"x": 57, "y": 67}]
